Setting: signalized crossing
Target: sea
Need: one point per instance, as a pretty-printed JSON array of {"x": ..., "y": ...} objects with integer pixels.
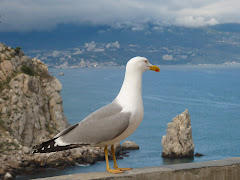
[{"x": 211, "y": 93}]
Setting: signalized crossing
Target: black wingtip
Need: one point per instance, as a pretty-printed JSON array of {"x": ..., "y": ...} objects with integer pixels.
[
  {"x": 35, "y": 151},
  {"x": 51, "y": 146}
]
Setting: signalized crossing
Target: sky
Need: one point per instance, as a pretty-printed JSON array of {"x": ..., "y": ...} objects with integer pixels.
[{"x": 46, "y": 15}]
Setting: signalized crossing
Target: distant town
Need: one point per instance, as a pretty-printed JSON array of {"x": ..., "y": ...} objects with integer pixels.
[{"x": 166, "y": 46}]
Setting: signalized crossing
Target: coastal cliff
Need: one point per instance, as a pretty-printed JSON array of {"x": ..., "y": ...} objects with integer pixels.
[{"x": 30, "y": 101}]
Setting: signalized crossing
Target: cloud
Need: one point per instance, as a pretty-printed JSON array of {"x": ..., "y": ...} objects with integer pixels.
[{"x": 29, "y": 15}]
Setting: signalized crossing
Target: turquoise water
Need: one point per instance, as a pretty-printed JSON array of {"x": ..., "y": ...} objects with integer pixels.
[{"x": 212, "y": 95}]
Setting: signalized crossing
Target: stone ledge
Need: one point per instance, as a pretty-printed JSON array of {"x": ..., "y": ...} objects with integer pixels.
[{"x": 224, "y": 169}]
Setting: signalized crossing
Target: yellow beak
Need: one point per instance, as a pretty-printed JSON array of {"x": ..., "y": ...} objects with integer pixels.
[{"x": 154, "y": 68}]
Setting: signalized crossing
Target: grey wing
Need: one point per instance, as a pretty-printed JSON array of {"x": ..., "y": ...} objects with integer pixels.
[
  {"x": 65, "y": 131},
  {"x": 103, "y": 125}
]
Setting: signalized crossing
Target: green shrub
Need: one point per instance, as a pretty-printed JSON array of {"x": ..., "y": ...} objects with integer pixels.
[
  {"x": 18, "y": 49},
  {"x": 45, "y": 74},
  {"x": 8, "y": 79},
  {"x": 1, "y": 86},
  {"x": 28, "y": 70}
]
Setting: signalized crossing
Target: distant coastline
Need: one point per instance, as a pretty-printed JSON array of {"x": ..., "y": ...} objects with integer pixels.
[{"x": 111, "y": 64}]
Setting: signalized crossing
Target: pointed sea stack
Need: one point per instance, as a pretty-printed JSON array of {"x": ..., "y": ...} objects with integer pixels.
[{"x": 178, "y": 142}]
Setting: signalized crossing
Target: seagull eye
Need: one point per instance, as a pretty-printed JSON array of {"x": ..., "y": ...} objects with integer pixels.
[{"x": 146, "y": 61}]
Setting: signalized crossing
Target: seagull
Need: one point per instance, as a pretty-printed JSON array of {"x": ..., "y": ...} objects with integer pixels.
[{"x": 111, "y": 123}]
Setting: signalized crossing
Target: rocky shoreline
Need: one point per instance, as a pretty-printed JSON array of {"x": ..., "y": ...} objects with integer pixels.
[{"x": 23, "y": 162}]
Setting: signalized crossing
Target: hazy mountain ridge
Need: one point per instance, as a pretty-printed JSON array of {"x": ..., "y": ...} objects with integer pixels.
[{"x": 101, "y": 46}]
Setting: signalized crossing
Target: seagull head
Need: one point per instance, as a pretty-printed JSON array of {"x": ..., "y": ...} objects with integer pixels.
[{"x": 141, "y": 64}]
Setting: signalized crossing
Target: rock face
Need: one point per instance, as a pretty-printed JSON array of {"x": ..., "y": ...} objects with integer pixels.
[
  {"x": 30, "y": 101},
  {"x": 8, "y": 176},
  {"x": 178, "y": 142}
]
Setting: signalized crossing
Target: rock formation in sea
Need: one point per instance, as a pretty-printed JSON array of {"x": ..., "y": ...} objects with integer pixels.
[
  {"x": 129, "y": 145},
  {"x": 178, "y": 142}
]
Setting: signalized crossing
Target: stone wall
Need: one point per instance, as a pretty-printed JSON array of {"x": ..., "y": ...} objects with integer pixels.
[{"x": 225, "y": 169}]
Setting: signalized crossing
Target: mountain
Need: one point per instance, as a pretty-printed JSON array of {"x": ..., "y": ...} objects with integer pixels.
[{"x": 85, "y": 45}]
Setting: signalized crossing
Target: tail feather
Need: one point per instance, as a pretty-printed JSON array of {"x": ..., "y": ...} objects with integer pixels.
[{"x": 51, "y": 146}]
